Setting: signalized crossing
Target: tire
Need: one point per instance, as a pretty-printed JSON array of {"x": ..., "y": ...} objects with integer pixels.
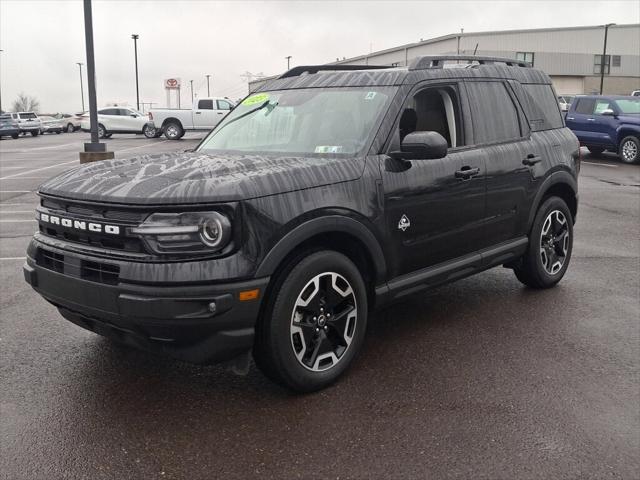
[
  {"x": 70, "y": 128},
  {"x": 550, "y": 246},
  {"x": 298, "y": 343},
  {"x": 15, "y": 135},
  {"x": 629, "y": 149},
  {"x": 35, "y": 133},
  {"x": 102, "y": 132},
  {"x": 150, "y": 131},
  {"x": 173, "y": 130},
  {"x": 595, "y": 150}
]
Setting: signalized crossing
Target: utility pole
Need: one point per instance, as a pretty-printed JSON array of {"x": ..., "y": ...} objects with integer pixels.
[
  {"x": 81, "y": 88},
  {"x": 1, "y": 80},
  {"x": 135, "y": 37},
  {"x": 208, "y": 92},
  {"x": 288, "y": 58},
  {"x": 95, "y": 150},
  {"x": 191, "y": 82},
  {"x": 604, "y": 56}
]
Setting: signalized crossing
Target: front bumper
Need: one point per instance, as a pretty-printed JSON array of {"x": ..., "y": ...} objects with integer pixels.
[
  {"x": 195, "y": 323},
  {"x": 8, "y": 132}
]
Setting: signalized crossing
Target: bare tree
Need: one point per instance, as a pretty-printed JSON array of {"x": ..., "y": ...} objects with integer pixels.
[{"x": 25, "y": 103}]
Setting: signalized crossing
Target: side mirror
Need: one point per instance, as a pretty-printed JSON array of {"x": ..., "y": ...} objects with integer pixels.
[
  {"x": 422, "y": 146},
  {"x": 134, "y": 115},
  {"x": 608, "y": 112}
]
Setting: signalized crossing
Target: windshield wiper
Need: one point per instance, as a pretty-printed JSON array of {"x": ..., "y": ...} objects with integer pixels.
[{"x": 265, "y": 104}]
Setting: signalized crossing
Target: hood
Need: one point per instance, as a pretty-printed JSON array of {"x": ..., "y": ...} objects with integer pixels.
[
  {"x": 198, "y": 177},
  {"x": 632, "y": 119}
]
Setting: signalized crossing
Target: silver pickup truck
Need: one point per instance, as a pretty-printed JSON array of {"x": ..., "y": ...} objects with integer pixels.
[{"x": 205, "y": 114}]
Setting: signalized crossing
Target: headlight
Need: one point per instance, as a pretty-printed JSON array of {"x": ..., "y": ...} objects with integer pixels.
[{"x": 197, "y": 232}]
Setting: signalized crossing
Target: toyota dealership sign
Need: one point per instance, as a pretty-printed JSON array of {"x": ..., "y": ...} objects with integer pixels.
[{"x": 172, "y": 83}]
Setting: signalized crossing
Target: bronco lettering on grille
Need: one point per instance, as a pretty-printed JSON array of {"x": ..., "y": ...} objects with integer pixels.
[{"x": 80, "y": 224}]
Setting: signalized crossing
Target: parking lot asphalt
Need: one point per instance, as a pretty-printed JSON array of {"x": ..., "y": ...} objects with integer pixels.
[{"x": 478, "y": 379}]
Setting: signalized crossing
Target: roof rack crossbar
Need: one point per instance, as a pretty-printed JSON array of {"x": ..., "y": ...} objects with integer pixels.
[
  {"x": 297, "y": 71},
  {"x": 438, "y": 61}
]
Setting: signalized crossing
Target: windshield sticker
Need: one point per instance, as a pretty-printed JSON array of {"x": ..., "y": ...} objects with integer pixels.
[
  {"x": 370, "y": 95},
  {"x": 258, "y": 98},
  {"x": 329, "y": 149}
]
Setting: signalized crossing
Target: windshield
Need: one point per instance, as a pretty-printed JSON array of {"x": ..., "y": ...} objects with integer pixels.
[
  {"x": 627, "y": 106},
  {"x": 305, "y": 121}
]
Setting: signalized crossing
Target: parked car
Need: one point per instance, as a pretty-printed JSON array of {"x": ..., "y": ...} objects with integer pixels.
[
  {"x": 635, "y": 93},
  {"x": 8, "y": 126},
  {"x": 28, "y": 122},
  {"x": 71, "y": 122},
  {"x": 120, "y": 120},
  {"x": 607, "y": 122},
  {"x": 565, "y": 102},
  {"x": 321, "y": 197},
  {"x": 51, "y": 125},
  {"x": 205, "y": 114}
]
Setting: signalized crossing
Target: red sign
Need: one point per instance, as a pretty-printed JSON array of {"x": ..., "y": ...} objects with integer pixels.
[{"x": 172, "y": 83}]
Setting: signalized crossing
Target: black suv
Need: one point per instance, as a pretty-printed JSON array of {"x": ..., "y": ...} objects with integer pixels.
[{"x": 332, "y": 191}]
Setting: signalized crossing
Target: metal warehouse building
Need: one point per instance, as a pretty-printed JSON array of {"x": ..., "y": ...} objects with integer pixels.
[{"x": 571, "y": 56}]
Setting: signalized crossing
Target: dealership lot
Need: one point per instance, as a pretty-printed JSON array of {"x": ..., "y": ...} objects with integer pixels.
[{"x": 482, "y": 378}]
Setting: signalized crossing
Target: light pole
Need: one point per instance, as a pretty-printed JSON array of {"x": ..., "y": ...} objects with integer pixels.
[
  {"x": 288, "y": 58},
  {"x": 604, "y": 56},
  {"x": 81, "y": 88},
  {"x": 191, "y": 82},
  {"x": 1, "y": 81},
  {"x": 95, "y": 150},
  {"x": 135, "y": 52},
  {"x": 208, "y": 92}
]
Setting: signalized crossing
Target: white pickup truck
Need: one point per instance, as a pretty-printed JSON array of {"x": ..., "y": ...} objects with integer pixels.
[{"x": 205, "y": 114}]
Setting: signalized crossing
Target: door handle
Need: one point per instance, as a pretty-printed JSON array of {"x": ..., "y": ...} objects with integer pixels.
[
  {"x": 198, "y": 113},
  {"x": 531, "y": 159},
  {"x": 467, "y": 172},
  {"x": 570, "y": 118},
  {"x": 220, "y": 113},
  {"x": 591, "y": 119}
]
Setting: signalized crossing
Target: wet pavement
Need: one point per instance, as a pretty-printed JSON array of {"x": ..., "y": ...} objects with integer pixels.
[{"x": 478, "y": 379}]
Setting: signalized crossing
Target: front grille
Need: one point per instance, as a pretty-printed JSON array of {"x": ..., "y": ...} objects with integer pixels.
[
  {"x": 74, "y": 267},
  {"x": 94, "y": 213}
]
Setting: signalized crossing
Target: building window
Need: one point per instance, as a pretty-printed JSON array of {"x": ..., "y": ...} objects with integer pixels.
[
  {"x": 525, "y": 57},
  {"x": 597, "y": 59},
  {"x": 615, "y": 60}
]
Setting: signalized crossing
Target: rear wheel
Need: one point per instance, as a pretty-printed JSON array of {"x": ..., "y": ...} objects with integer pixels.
[
  {"x": 550, "y": 246},
  {"x": 173, "y": 131},
  {"x": 15, "y": 135},
  {"x": 596, "y": 150},
  {"x": 629, "y": 149},
  {"x": 150, "y": 131},
  {"x": 35, "y": 133},
  {"x": 70, "y": 128},
  {"x": 314, "y": 324},
  {"x": 102, "y": 132}
]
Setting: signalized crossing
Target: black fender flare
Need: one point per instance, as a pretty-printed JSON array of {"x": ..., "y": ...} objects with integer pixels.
[
  {"x": 319, "y": 225},
  {"x": 555, "y": 178}
]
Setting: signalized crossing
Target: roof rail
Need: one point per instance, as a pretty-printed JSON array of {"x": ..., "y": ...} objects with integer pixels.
[
  {"x": 437, "y": 61},
  {"x": 297, "y": 71}
]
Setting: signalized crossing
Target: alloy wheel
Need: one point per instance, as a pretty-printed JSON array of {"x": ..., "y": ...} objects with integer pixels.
[
  {"x": 172, "y": 131},
  {"x": 554, "y": 242},
  {"x": 629, "y": 151},
  {"x": 323, "y": 321}
]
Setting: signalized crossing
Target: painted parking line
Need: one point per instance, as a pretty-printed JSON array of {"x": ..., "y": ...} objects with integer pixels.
[
  {"x": 30, "y": 178},
  {"x": 16, "y": 191},
  {"x": 10, "y": 212},
  {"x": 6, "y": 259},
  {"x": 601, "y": 164},
  {"x": 141, "y": 146},
  {"x": 49, "y": 147},
  {"x": 39, "y": 169},
  {"x": 18, "y": 221}
]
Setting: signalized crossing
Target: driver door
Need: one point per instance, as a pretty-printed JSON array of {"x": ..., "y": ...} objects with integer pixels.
[{"x": 434, "y": 209}]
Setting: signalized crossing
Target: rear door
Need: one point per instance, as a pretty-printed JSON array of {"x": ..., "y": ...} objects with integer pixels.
[
  {"x": 204, "y": 115},
  {"x": 580, "y": 119}
]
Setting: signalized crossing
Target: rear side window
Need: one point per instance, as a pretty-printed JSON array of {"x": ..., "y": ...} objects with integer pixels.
[
  {"x": 585, "y": 106},
  {"x": 541, "y": 107},
  {"x": 494, "y": 115},
  {"x": 109, "y": 111},
  {"x": 205, "y": 104}
]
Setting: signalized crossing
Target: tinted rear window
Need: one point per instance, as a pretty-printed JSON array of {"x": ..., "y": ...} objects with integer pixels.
[
  {"x": 27, "y": 116},
  {"x": 205, "y": 104},
  {"x": 541, "y": 107},
  {"x": 585, "y": 105}
]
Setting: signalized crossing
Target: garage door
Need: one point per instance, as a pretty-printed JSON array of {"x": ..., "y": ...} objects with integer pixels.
[{"x": 568, "y": 85}]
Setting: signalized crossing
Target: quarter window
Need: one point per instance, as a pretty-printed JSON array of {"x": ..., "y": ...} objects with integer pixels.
[{"x": 494, "y": 115}]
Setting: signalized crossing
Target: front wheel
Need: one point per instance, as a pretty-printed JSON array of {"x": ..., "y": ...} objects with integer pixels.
[
  {"x": 550, "y": 246},
  {"x": 595, "y": 150},
  {"x": 15, "y": 135},
  {"x": 70, "y": 128},
  {"x": 102, "y": 132},
  {"x": 150, "y": 131},
  {"x": 630, "y": 149},
  {"x": 314, "y": 323}
]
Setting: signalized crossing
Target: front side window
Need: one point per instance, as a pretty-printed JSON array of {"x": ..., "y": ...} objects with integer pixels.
[
  {"x": 224, "y": 105},
  {"x": 629, "y": 106},
  {"x": 109, "y": 111},
  {"x": 205, "y": 104},
  {"x": 303, "y": 121},
  {"x": 494, "y": 115},
  {"x": 601, "y": 106}
]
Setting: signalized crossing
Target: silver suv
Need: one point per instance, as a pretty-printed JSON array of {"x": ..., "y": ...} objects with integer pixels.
[{"x": 28, "y": 122}]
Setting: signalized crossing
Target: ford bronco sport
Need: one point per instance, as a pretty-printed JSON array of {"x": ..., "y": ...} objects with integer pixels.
[{"x": 332, "y": 191}]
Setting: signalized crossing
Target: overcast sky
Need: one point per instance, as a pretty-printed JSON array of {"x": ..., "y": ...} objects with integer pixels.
[{"x": 43, "y": 40}]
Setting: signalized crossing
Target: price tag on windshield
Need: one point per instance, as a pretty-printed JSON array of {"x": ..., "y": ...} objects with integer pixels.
[{"x": 255, "y": 99}]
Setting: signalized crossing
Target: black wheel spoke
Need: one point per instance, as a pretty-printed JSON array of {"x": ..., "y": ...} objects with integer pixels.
[{"x": 321, "y": 346}]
